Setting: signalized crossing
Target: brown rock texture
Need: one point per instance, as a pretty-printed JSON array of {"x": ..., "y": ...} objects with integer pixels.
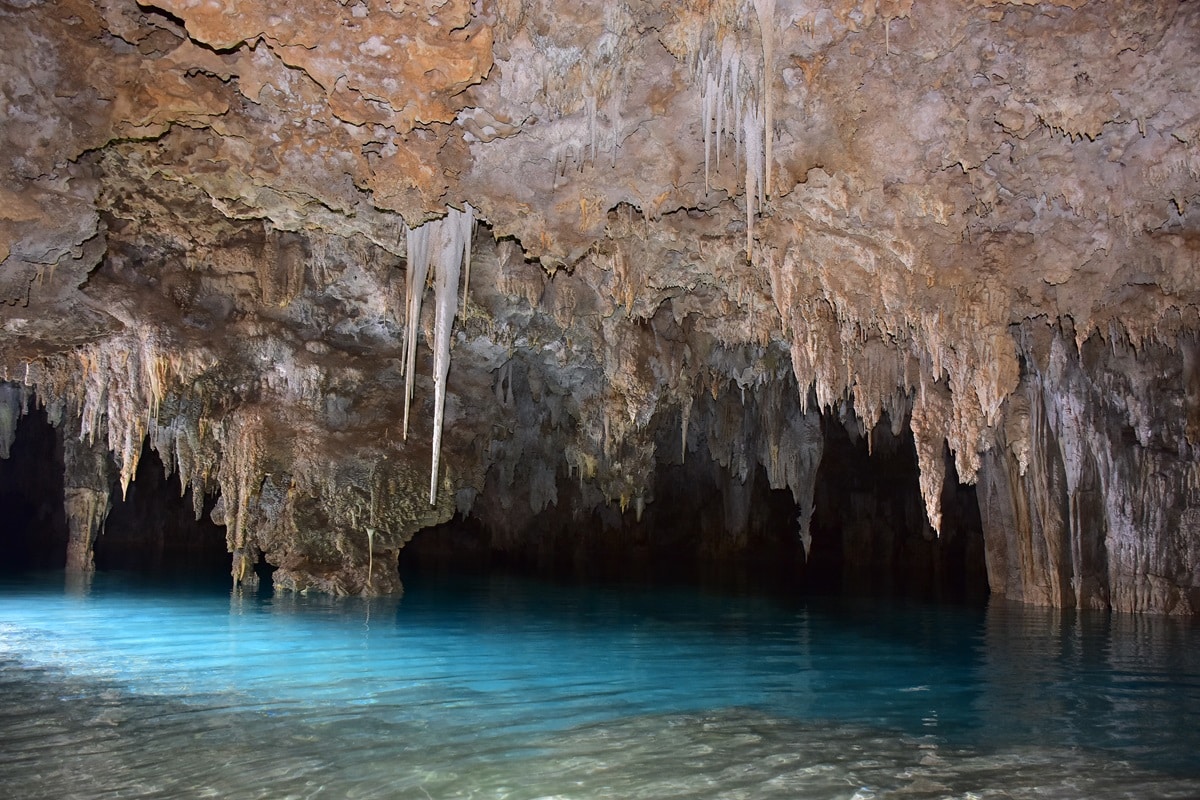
[{"x": 703, "y": 230}]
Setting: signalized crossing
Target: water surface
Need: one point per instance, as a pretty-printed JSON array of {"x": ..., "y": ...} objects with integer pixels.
[{"x": 510, "y": 688}]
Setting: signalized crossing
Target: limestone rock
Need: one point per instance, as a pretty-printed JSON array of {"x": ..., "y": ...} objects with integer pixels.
[{"x": 705, "y": 227}]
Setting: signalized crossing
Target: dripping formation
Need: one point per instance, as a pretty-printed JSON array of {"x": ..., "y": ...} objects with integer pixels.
[
  {"x": 450, "y": 239},
  {"x": 895, "y": 219},
  {"x": 739, "y": 105}
]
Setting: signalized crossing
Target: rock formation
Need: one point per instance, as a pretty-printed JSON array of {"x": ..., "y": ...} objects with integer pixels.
[{"x": 647, "y": 234}]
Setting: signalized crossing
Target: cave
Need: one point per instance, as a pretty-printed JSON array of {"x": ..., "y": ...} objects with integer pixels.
[
  {"x": 33, "y": 520},
  {"x": 587, "y": 274},
  {"x": 804, "y": 394},
  {"x": 155, "y": 528},
  {"x": 869, "y": 534}
]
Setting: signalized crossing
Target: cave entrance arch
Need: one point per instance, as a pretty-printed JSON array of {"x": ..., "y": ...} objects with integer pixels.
[
  {"x": 870, "y": 535},
  {"x": 33, "y": 522},
  {"x": 153, "y": 528}
]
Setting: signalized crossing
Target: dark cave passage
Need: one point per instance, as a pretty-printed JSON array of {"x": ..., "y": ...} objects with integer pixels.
[
  {"x": 869, "y": 531},
  {"x": 154, "y": 528},
  {"x": 33, "y": 521},
  {"x": 870, "y": 535}
]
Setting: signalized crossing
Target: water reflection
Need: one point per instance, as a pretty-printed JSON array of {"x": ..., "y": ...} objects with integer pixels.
[
  {"x": 507, "y": 688},
  {"x": 78, "y": 584},
  {"x": 1095, "y": 680}
]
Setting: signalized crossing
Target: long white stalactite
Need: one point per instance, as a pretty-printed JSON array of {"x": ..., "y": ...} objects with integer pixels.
[
  {"x": 765, "y": 11},
  {"x": 414, "y": 291},
  {"x": 444, "y": 245},
  {"x": 455, "y": 234}
]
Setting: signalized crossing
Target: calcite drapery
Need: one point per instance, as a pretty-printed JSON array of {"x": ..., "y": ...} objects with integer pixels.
[{"x": 1087, "y": 498}]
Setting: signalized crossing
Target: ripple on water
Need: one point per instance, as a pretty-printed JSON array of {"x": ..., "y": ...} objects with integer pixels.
[
  {"x": 581, "y": 696},
  {"x": 92, "y": 742}
]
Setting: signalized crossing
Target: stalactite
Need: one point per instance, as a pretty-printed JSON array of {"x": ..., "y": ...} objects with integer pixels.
[
  {"x": 928, "y": 423},
  {"x": 752, "y": 125},
  {"x": 736, "y": 101},
  {"x": 543, "y": 486},
  {"x": 240, "y": 477},
  {"x": 708, "y": 95},
  {"x": 765, "y": 11},
  {"x": 448, "y": 240},
  {"x": 455, "y": 234},
  {"x": 791, "y": 445},
  {"x": 414, "y": 291},
  {"x": 468, "y": 235},
  {"x": 370, "y": 558},
  {"x": 86, "y": 511},
  {"x": 685, "y": 414},
  {"x": 87, "y": 491},
  {"x": 118, "y": 386}
]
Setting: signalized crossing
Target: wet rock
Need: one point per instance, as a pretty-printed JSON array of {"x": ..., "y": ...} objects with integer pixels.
[{"x": 729, "y": 220}]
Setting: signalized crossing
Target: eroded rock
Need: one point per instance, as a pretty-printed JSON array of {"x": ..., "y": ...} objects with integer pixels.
[{"x": 716, "y": 218}]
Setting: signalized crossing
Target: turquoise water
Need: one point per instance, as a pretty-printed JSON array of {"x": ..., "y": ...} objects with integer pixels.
[{"x": 509, "y": 688}]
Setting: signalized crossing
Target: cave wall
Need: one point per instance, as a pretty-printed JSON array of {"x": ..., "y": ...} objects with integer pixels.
[
  {"x": 357, "y": 271},
  {"x": 1087, "y": 498}
]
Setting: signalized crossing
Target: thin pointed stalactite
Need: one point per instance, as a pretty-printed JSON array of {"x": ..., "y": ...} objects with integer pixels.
[
  {"x": 370, "y": 558},
  {"x": 752, "y": 125},
  {"x": 685, "y": 419},
  {"x": 414, "y": 290},
  {"x": 455, "y": 241},
  {"x": 930, "y": 410},
  {"x": 466, "y": 256},
  {"x": 765, "y": 10}
]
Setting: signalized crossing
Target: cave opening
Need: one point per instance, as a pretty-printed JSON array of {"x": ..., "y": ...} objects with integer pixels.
[
  {"x": 154, "y": 528},
  {"x": 33, "y": 520},
  {"x": 870, "y": 534}
]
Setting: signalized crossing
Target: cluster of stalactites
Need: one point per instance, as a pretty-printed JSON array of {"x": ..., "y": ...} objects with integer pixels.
[
  {"x": 115, "y": 388},
  {"x": 445, "y": 245},
  {"x": 736, "y": 102},
  {"x": 947, "y": 375},
  {"x": 589, "y": 76},
  {"x": 128, "y": 389},
  {"x": 240, "y": 476},
  {"x": 765, "y": 425},
  {"x": 133, "y": 388}
]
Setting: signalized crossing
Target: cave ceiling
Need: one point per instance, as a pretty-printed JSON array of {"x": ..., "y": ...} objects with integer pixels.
[{"x": 864, "y": 207}]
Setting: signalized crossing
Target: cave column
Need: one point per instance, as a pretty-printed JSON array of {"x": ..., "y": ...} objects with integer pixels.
[
  {"x": 87, "y": 497},
  {"x": 1024, "y": 507}
]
